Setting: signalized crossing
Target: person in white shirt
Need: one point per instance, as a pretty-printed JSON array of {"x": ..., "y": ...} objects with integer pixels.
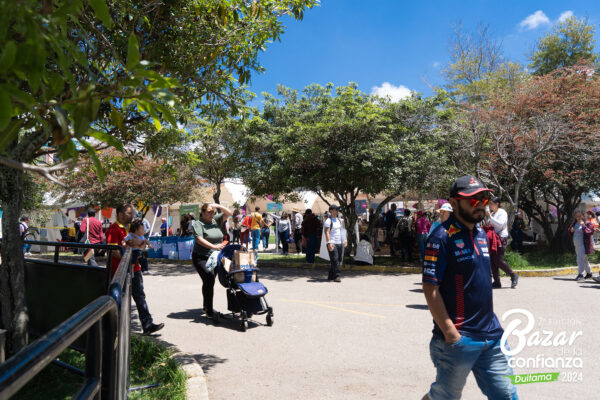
[
  {"x": 498, "y": 218},
  {"x": 297, "y": 229},
  {"x": 364, "y": 251},
  {"x": 335, "y": 235}
]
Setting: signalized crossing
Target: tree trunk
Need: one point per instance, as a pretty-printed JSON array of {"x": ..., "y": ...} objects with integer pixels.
[{"x": 12, "y": 276}]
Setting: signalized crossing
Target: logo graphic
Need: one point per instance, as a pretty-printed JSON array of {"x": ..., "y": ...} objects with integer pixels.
[
  {"x": 554, "y": 349},
  {"x": 459, "y": 243},
  {"x": 452, "y": 230},
  {"x": 473, "y": 182}
]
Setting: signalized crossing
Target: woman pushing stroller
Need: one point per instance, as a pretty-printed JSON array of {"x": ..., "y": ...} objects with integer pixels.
[{"x": 208, "y": 237}]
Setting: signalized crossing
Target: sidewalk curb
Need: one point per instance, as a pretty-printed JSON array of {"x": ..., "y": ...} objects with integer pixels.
[
  {"x": 417, "y": 270},
  {"x": 197, "y": 385}
]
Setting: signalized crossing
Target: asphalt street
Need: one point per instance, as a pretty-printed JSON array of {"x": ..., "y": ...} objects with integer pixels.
[{"x": 366, "y": 337}]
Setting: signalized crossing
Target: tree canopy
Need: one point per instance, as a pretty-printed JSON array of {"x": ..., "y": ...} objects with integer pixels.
[
  {"x": 341, "y": 141},
  {"x": 570, "y": 42}
]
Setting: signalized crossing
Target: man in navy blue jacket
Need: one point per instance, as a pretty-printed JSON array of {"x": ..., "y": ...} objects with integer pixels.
[{"x": 458, "y": 289}]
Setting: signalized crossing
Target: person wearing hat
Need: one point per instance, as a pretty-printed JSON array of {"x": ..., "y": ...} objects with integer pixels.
[
  {"x": 458, "y": 290},
  {"x": 444, "y": 213},
  {"x": 335, "y": 236}
]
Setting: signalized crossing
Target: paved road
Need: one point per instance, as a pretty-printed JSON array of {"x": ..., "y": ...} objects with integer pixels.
[{"x": 364, "y": 338}]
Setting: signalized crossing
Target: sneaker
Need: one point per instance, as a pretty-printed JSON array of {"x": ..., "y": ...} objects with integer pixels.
[
  {"x": 28, "y": 254},
  {"x": 514, "y": 281},
  {"x": 588, "y": 276},
  {"x": 579, "y": 278},
  {"x": 146, "y": 272},
  {"x": 153, "y": 328},
  {"x": 496, "y": 285},
  {"x": 596, "y": 278},
  {"x": 337, "y": 280}
]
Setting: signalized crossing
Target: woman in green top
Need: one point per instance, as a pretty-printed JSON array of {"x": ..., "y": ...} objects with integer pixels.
[{"x": 208, "y": 237}]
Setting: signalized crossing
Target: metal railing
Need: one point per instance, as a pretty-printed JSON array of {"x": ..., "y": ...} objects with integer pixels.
[
  {"x": 74, "y": 245},
  {"x": 107, "y": 322}
]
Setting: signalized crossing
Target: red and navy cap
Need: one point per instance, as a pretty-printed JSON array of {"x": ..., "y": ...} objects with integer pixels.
[{"x": 467, "y": 186}]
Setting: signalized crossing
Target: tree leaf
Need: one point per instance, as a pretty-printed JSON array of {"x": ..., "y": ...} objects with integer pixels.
[
  {"x": 7, "y": 59},
  {"x": 117, "y": 119},
  {"x": 133, "y": 52},
  {"x": 5, "y": 109},
  {"x": 106, "y": 138},
  {"x": 92, "y": 152},
  {"x": 102, "y": 12},
  {"x": 9, "y": 134}
]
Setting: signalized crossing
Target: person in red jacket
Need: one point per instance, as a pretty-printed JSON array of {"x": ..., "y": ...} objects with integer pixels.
[{"x": 116, "y": 234}]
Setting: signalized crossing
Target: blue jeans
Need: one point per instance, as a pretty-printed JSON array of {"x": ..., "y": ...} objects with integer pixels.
[
  {"x": 455, "y": 361},
  {"x": 255, "y": 238},
  {"x": 26, "y": 248},
  {"x": 336, "y": 258},
  {"x": 284, "y": 238},
  {"x": 139, "y": 297},
  {"x": 264, "y": 235},
  {"x": 311, "y": 247}
]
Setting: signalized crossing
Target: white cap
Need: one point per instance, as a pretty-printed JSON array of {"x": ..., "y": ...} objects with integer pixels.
[{"x": 446, "y": 207}]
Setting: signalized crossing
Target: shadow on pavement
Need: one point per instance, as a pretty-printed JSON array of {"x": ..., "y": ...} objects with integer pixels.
[
  {"x": 417, "y": 306},
  {"x": 416, "y": 290},
  {"x": 165, "y": 269},
  {"x": 314, "y": 275},
  {"x": 563, "y": 279},
  {"x": 208, "y": 361},
  {"x": 591, "y": 286}
]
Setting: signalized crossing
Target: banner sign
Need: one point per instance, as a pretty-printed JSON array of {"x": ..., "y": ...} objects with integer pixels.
[{"x": 274, "y": 207}]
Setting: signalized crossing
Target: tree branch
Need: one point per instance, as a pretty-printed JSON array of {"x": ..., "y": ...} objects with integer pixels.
[{"x": 43, "y": 171}]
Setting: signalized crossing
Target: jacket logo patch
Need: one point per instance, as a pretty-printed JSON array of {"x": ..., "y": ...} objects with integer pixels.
[
  {"x": 452, "y": 230},
  {"x": 459, "y": 243}
]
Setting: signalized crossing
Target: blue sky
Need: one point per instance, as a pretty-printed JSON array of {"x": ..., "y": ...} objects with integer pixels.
[{"x": 401, "y": 43}]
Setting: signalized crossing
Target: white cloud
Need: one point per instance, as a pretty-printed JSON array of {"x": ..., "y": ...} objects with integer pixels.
[
  {"x": 534, "y": 20},
  {"x": 566, "y": 15},
  {"x": 436, "y": 64},
  {"x": 395, "y": 93}
]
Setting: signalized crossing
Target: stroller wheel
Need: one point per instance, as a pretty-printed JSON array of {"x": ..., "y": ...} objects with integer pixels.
[
  {"x": 243, "y": 325},
  {"x": 270, "y": 319}
]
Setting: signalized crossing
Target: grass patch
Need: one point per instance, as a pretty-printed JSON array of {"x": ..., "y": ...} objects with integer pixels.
[
  {"x": 150, "y": 363},
  {"x": 301, "y": 258},
  {"x": 544, "y": 259}
]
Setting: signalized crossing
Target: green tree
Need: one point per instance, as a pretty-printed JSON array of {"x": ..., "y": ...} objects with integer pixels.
[
  {"x": 79, "y": 75},
  {"x": 570, "y": 42},
  {"x": 214, "y": 153},
  {"x": 477, "y": 67},
  {"x": 132, "y": 179},
  {"x": 342, "y": 142},
  {"x": 536, "y": 146}
]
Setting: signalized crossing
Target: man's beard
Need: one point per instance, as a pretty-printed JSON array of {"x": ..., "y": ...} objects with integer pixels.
[{"x": 465, "y": 216}]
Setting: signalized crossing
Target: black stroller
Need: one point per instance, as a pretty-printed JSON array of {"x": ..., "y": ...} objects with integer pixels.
[{"x": 246, "y": 298}]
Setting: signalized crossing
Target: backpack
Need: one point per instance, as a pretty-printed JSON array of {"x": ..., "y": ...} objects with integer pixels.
[
  {"x": 25, "y": 230},
  {"x": 403, "y": 225}
]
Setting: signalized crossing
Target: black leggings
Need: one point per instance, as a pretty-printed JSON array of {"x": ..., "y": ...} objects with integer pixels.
[{"x": 208, "y": 281}]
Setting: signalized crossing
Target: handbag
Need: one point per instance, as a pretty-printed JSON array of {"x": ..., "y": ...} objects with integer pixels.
[{"x": 211, "y": 263}]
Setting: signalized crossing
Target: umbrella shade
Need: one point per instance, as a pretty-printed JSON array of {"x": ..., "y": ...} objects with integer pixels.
[{"x": 596, "y": 209}]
